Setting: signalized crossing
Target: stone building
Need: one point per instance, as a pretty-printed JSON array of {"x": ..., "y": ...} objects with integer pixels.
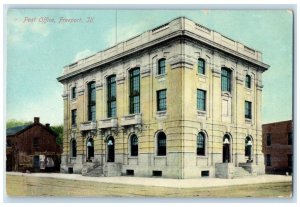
[
  {"x": 278, "y": 147},
  {"x": 177, "y": 101},
  {"x": 32, "y": 147}
]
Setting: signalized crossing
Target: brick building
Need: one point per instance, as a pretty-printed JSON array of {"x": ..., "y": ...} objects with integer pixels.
[
  {"x": 177, "y": 101},
  {"x": 278, "y": 147},
  {"x": 32, "y": 147}
]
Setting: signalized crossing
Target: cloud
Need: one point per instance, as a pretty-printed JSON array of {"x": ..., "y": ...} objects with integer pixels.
[
  {"x": 83, "y": 54},
  {"x": 17, "y": 30}
]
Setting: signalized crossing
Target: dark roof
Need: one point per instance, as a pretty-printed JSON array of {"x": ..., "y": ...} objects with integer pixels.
[{"x": 15, "y": 130}]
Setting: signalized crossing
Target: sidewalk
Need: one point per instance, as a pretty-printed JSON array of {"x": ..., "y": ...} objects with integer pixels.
[{"x": 165, "y": 182}]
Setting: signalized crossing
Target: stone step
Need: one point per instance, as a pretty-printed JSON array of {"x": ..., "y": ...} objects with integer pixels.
[
  {"x": 240, "y": 172},
  {"x": 92, "y": 169}
]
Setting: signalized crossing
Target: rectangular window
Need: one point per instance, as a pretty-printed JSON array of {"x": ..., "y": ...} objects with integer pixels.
[
  {"x": 290, "y": 160},
  {"x": 36, "y": 143},
  {"x": 226, "y": 79},
  {"x": 248, "y": 110},
  {"x": 290, "y": 138},
  {"x": 162, "y": 100},
  {"x": 268, "y": 160},
  {"x": 134, "y": 96},
  {"x": 74, "y": 115},
  {"x": 73, "y": 92},
  {"x": 201, "y": 100},
  {"x": 161, "y": 66},
  {"x": 201, "y": 66},
  {"x": 111, "y": 97},
  {"x": 269, "y": 139},
  {"x": 92, "y": 101}
]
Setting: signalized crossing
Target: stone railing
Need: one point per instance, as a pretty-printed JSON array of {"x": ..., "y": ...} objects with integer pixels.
[
  {"x": 108, "y": 123},
  {"x": 132, "y": 119},
  {"x": 86, "y": 126}
]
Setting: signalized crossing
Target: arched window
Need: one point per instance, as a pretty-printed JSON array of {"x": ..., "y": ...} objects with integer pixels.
[
  {"x": 161, "y": 66},
  {"x": 73, "y": 148},
  {"x": 248, "y": 81},
  {"x": 201, "y": 144},
  {"x": 248, "y": 147},
  {"x": 110, "y": 149},
  {"x": 201, "y": 66},
  {"x": 226, "y": 79},
  {"x": 92, "y": 101},
  {"x": 134, "y": 147},
  {"x": 90, "y": 148},
  {"x": 161, "y": 144},
  {"x": 111, "y": 96}
]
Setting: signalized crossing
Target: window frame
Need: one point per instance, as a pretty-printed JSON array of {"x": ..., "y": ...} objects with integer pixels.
[
  {"x": 268, "y": 160},
  {"x": 73, "y": 148},
  {"x": 269, "y": 139},
  {"x": 161, "y": 101},
  {"x": 74, "y": 117},
  {"x": 91, "y": 103},
  {"x": 161, "y": 69},
  {"x": 201, "y": 68},
  {"x": 290, "y": 138},
  {"x": 161, "y": 147},
  {"x": 201, "y": 100},
  {"x": 134, "y": 151},
  {"x": 36, "y": 142},
  {"x": 111, "y": 84},
  {"x": 73, "y": 92},
  {"x": 201, "y": 151},
  {"x": 248, "y": 81},
  {"x": 248, "y": 110},
  {"x": 134, "y": 95},
  {"x": 226, "y": 79}
]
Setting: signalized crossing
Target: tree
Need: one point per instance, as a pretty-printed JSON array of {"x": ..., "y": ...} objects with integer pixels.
[
  {"x": 13, "y": 123},
  {"x": 58, "y": 129}
]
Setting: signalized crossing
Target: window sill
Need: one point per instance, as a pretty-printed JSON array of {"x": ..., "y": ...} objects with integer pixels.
[
  {"x": 201, "y": 113},
  {"x": 73, "y": 99},
  {"x": 73, "y": 158},
  {"x": 132, "y": 157},
  {"x": 202, "y": 156},
  {"x": 248, "y": 121},
  {"x": 201, "y": 75},
  {"x": 160, "y": 75},
  {"x": 160, "y": 156}
]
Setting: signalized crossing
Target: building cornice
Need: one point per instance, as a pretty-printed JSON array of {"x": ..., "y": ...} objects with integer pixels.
[{"x": 182, "y": 32}]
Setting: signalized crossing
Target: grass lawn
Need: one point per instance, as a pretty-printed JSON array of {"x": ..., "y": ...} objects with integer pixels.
[{"x": 38, "y": 186}]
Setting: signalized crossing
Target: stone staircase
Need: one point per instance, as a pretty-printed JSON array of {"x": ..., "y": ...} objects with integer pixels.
[
  {"x": 92, "y": 170},
  {"x": 240, "y": 172}
]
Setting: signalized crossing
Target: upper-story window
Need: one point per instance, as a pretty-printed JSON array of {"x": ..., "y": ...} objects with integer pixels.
[
  {"x": 36, "y": 142},
  {"x": 162, "y": 100},
  {"x": 73, "y": 92},
  {"x": 201, "y": 66},
  {"x": 290, "y": 138},
  {"x": 269, "y": 139},
  {"x": 134, "y": 96},
  {"x": 92, "y": 101},
  {"x": 73, "y": 148},
  {"x": 74, "y": 116},
  {"x": 248, "y": 81},
  {"x": 111, "y": 96},
  {"x": 248, "y": 110},
  {"x": 226, "y": 79},
  {"x": 201, "y": 100},
  {"x": 161, "y": 66}
]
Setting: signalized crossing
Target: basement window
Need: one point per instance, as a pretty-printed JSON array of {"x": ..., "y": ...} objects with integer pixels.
[
  {"x": 129, "y": 172},
  {"x": 70, "y": 170},
  {"x": 156, "y": 173},
  {"x": 205, "y": 173}
]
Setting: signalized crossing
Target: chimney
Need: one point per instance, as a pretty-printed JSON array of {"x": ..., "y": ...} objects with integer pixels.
[
  {"x": 36, "y": 120},
  {"x": 48, "y": 125}
]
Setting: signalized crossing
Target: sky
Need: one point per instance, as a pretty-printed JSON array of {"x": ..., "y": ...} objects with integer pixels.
[{"x": 37, "y": 51}]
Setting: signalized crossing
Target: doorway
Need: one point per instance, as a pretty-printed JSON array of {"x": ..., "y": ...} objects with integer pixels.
[
  {"x": 90, "y": 149},
  {"x": 110, "y": 149},
  {"x": 226, "y": 149}
]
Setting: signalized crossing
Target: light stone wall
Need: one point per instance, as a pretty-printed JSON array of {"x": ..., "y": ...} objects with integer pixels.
[{"x": 181, "y": 122}]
